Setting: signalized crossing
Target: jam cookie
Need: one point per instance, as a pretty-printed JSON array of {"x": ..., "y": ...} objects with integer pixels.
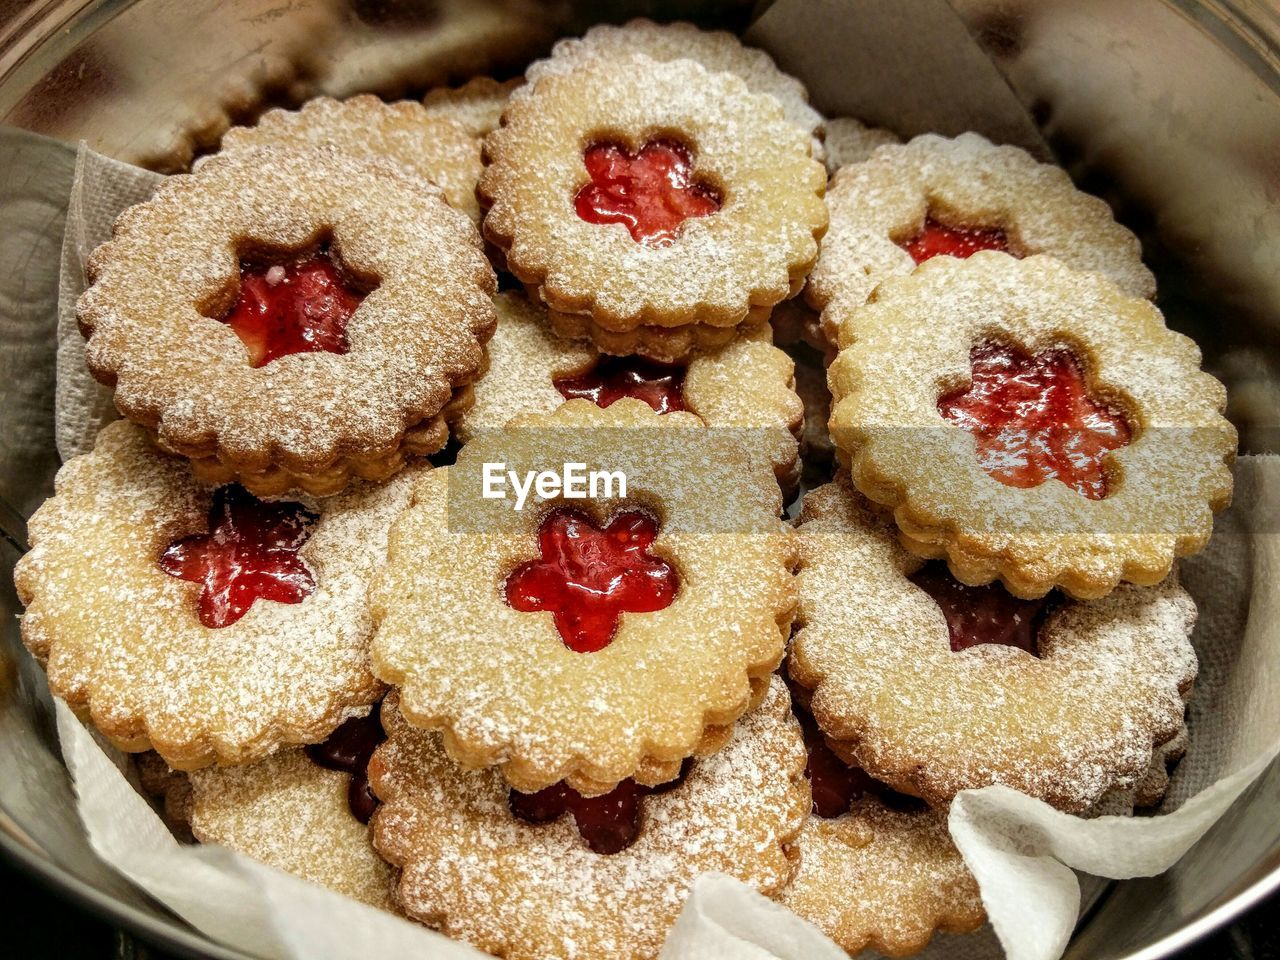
[
  {"x": 717, "y": 50},
  {"x": 747, "y": 386},
  {"x": 660, "y": 344},
  {"x": 935, "y": 687},
  {"x": 578, "y": 613},
  {"x": 477, "y": 105},
  {"x": 1031, "y": 423},
  {"x": 302, "y": 810},
  {"x": 605, "y": 882},
  {"x": 933, "y": 196},
  {"x": 851, "y": 141},
  {"x": 632, "y": 194},
  {"x": 290, "y": 318},
  {"x": 437, "y": 149},
  {"x": 206, "y": 625},
  {"x": 890, "y": 857}
]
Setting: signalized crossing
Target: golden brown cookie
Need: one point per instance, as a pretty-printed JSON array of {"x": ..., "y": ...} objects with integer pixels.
[
  {"x": 477, "y": 105},
  {"x": 204, "y": 624},
  {"x": 436, "y": 148},
  {"x": 877, "y": 868},
  {"x": 302, "y": 810},
  {"x": 575, "y": 669},
  {"x": 934, "y": 196},
  {"x": 933, "y": 687},
  {"x": 1031, "y": 423},
  {"x": 850, "y": 141},
  {"x": 745, "y": 388},
  {"x": 290, "y": 318},
  {"x": 466, "y": 858},
  {"x": 717, "y": 50},
  {"x": 635, "y": 194}
]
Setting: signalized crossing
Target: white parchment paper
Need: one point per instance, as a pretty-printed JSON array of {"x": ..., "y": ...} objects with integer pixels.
[{"x": 1021, "y": 851}]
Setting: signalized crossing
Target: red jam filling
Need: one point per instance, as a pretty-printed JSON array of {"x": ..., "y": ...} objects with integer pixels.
[
  {"x": 939, "y": 240},
  {"x": 348, "y": 750},
  {"x": 978, "y": 615},
  {"x": 609, "y": 823},
  {"x": 660, "y": 385},
  {"x": 1034, "y": 419},
  {"x": 835, "y": 784},
  {"x": 300, "y": 306},
  {"x": 652, "y": 191},
  {"x": 250, "y": 553},
  {"x": 589, "y": 577}
]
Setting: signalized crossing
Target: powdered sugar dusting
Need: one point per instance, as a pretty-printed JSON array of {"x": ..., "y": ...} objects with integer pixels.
[
  {"x": 883, "y": 878},
  {"x": 172, "y": 268},
  {"x": 525, "y": 891},
  {"x": 121, "y": 638},
  {"x": 1066, "y": 727},
  {"x": 291, "y": 814},
  {"x": 477, "y": 105},
  {"x": 509, "y": 691},
  {"x": 753, "y": 252},
  {"x": 971, "y": 182},
  {"x": 717, "y": 50},
  {"x": 911, "y": 344}
]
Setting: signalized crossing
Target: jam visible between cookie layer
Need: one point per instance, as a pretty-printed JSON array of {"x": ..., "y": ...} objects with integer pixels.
[
  {"x": 660, "y": 385},
  {"x": 985, "y": 614},
  {"x": 835, "y": 784},
  {"x": 299, "y": 306},
  {"x": 589, "y": 577},
  {"x": 937, "y": 240},
  {"x": 608, "y": 823},
  {"x": 250, "y": 553},
  {"x": 1034, "y": 419},
  {"x": 652, "y": 191},
  {"x": 348, "y": 750}
]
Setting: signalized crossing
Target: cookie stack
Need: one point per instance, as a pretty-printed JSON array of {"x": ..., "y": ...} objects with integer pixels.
[{"x": 445, "y": 686}]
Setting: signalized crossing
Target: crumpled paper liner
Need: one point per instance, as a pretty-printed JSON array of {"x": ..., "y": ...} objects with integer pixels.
[{"x": 1020, "y": 850}]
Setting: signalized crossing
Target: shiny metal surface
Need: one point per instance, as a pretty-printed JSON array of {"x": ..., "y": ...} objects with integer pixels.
[{"x": 1170, "y": 108}]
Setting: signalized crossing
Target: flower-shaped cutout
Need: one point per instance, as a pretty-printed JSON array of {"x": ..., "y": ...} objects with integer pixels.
[
  {"x": 299, "y": 306},
  {"x": 588, "y": 576},
  {"x": 1035, "y": 419},
  {"x": 651, "y": 191}
]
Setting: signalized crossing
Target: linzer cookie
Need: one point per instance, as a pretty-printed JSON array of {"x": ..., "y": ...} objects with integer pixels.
[
  {"x": 1031, "y": 423},
  {"x": 709, "y": 222},
  {"x": 851, "y": 141},
  {"x": 290, "y": 319},
  {"x": 303, "y": 811},
  {"x": 578, "y": 612},
  {"x": 877, "y": 868},
  {"x": 477, "y": 105},
  {"x": 436, "y": 148},
  {"x": 717, "y": 50},
  {"x": 603, "y": 879},
  {"x": 934, "y": 687},
  {"x": 746, "y": 387},
  {"x": 934, "y": 196},
  {"x": 204, "y": 624}
]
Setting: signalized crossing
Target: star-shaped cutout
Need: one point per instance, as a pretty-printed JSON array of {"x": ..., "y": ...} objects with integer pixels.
[
  {"x": 588, "y": 577},
  {"x": 300, "y": 306},
  {"x": 250, "y": 553}
]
